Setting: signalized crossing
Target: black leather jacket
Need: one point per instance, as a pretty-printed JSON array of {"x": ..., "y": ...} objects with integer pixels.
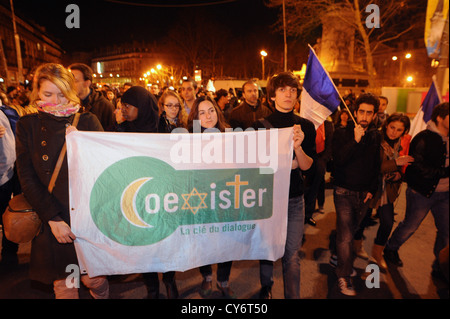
[{"x": 429, "y": 151}]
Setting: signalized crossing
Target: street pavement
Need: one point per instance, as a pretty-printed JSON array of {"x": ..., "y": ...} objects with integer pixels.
[{"x": 318, "y": 280}]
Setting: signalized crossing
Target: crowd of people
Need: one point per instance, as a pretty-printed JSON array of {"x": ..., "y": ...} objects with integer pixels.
[{"x": 361, "y": 145}]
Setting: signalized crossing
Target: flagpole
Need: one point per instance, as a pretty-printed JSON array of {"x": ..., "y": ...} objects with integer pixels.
[
  {"x": 350, "y": 112},
  {"x": 433, "y": 78}
]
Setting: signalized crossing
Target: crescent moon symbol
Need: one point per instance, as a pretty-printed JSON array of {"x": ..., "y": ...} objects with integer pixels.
[{"x": 128, "y": 203}]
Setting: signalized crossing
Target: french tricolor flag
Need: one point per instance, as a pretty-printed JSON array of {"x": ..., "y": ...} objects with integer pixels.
[
  {"x": 433, "y": 98},
  {"x": 419, "y": 123},
  {"x": 319, "y": 96}
]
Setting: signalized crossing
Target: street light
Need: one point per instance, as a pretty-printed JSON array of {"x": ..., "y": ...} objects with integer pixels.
[
  {"x": 407, "y": 56},
  {"x": 263, "y": 55},
  {"x": 164, "y": 73}
]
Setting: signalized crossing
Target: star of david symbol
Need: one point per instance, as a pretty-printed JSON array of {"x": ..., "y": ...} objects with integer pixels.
[{"x": 187, "y": 205}]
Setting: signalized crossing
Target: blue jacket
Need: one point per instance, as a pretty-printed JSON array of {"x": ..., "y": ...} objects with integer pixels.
[
  {"x": 7, "y": 151},
  {"x": 12, "y": 116}
]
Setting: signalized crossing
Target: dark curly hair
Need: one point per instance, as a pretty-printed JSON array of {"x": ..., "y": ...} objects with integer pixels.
[
  {"x": 397, "y": 117},
  {"x": 440, "y": 110},
  {"x": 370, "y": 99}
]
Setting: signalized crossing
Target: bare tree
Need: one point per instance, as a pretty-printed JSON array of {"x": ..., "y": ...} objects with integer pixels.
[
  {"x": 397, "y": 17},
  {"x": 187, "y": 35}
]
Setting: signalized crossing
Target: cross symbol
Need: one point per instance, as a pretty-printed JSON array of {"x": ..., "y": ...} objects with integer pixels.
[{"x": 237, "y": 185}]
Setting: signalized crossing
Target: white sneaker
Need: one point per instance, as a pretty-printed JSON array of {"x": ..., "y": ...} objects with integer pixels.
[{"x": 346, "y": 286}]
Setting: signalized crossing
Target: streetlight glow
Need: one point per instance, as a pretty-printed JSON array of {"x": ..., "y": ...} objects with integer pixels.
[
  {"x": 408, "y": 55},
  {"x": 394, "y": 58},
  {"x": 263, "y": 54},
  {"x": 434, "y": 63},
  {"x": 409, "y": 78}
]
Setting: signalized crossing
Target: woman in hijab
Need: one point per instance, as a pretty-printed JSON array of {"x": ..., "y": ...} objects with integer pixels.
[{"x": 140, "y": 111}]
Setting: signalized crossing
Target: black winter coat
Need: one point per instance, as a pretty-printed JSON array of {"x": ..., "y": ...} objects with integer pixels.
[
  {"x": 39, "y": 140},
  {"x": 245, "y": 115},
  {"x": 98, "y": 105},
  {"x": 429, "y": 151},
  {"x": 356, "y": 166}
]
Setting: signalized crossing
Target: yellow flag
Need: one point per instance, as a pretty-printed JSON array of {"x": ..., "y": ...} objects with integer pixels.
[{"x": 437, "y": 14}]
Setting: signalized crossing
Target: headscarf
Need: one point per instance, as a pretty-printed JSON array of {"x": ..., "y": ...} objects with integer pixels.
[{"x": 147, "y": 120}]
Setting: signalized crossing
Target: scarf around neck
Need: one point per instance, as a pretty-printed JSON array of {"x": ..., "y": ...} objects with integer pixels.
[{"x": 58, "y": 110}]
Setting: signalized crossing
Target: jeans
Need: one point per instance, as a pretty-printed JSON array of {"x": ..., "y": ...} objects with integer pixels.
[
  {"x": 417, "y": 208},
  {"x": 386, "y": 215},
  {"x": 365, "y": 222},
  {"x": 350, "y": 210},
  {"x": 151, "y": 279},
  {"x": 316, "y": 185},
  {"x": 223, "y": 271},
  {"x": 291, "y": 260}
]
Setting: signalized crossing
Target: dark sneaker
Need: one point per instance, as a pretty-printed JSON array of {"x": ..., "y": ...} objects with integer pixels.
[
  {"x": 226, "y": 292},
  {"x": 392, "y": 257},
  {"x": 265, "y": 293},
  {"x": 206, "y": 288},
  {"x": 333, "y": 260}
]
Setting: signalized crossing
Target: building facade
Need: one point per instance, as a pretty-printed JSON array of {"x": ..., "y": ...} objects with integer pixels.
[
  {"x": 140, "y": 63},
  {"x": 405, "y": 64},
  {"x": 36, "y": 47}
]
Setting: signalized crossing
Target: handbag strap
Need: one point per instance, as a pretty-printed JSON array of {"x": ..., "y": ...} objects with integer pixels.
[{"x": 55, "y": 174}]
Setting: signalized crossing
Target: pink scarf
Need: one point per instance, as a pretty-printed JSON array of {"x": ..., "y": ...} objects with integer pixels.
[{"x": 59, "y": 110}]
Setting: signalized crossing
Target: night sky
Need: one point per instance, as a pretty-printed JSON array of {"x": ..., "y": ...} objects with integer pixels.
[{"x": 104, "y": 22}]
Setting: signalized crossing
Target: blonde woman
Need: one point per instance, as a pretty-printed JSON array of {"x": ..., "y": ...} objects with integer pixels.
[
  {"x": 172, "y": 114},
  {"x": 39, "y": 140}
]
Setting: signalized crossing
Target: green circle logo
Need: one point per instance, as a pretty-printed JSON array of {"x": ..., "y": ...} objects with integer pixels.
[{"x": 139, "y": 201}]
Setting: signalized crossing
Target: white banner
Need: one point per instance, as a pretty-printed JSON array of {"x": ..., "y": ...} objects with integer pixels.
[{"x": 172, "y": 202}]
